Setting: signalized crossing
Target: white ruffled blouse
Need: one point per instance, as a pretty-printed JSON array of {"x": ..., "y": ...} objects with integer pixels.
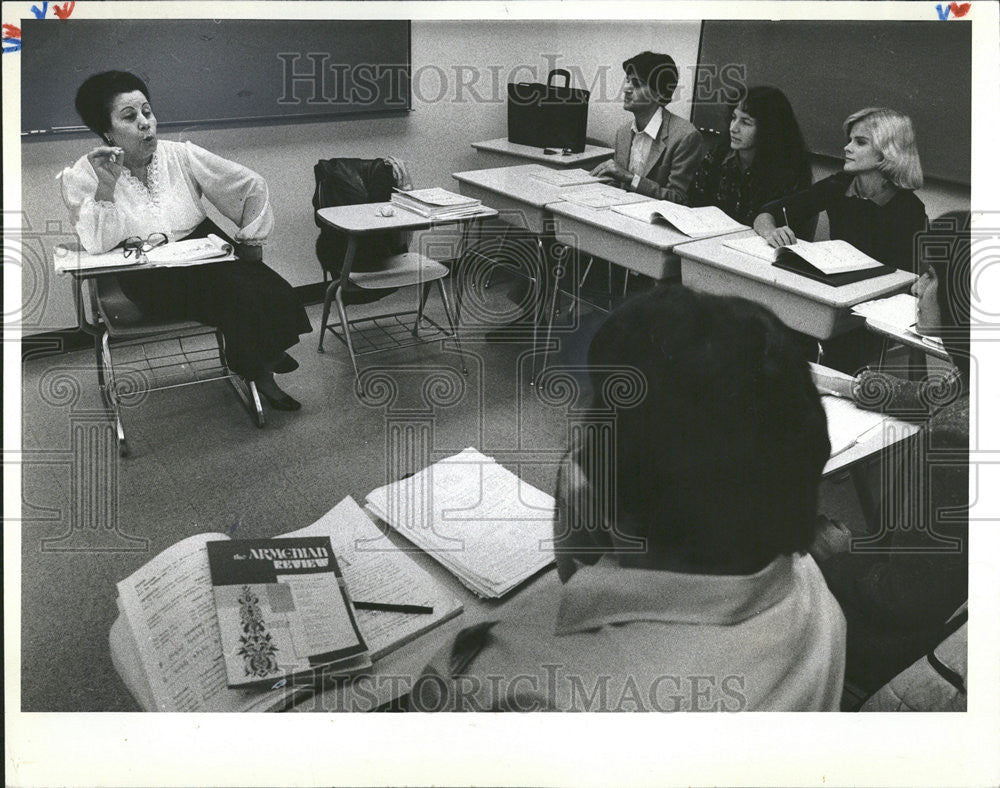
[{"x": 178, "y": 176}]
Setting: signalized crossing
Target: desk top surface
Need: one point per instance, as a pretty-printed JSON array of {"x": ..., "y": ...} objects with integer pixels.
[
  {"x": 659, "y": 236},
  {"x": 711, "y": 251},
  {"x": 590, "y": 153},
  {"x": 515, "y": 182},
  {"x": 368, "y": 218}
]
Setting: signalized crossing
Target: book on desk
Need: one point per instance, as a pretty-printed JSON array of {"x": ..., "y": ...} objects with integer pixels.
[
  {"x": 693, "y": 222},
  {"x": 833, "y": 263},
  {"x": 436, "y": 203},
  {"x": 895, "y": 317},
  {"x": 189, "y": 251},
  {"x": 173, "y": 655}
]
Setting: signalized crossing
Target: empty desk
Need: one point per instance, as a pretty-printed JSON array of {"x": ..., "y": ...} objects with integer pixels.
[{"x": 588, "y": 157}]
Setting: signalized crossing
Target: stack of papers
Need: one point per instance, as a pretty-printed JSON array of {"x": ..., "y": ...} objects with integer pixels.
[
  {"x": 562, "y": 178},
  {"x": 601, "y": 195},
  {"x": 693, "y": 222},
  {"x": 480, "y": 521},
  {"x": 436, "y": 203},
  {"x": 895, "y": 316}
]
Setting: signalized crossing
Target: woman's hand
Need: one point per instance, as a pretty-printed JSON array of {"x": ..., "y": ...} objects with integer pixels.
[
  {"x": 765, "y": 227},
  {"x": 832, "y": 537},
  {"x": 106, "y": 163}
]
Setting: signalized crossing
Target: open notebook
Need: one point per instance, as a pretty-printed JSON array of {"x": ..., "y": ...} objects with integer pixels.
[
  {"x": 174, "y": 661},
  {"x": 831, "y": 262},
  {"x": 896, "y": 316},
  {"x": 190, "y": 251},
  {"x": 475, "y": 517},
  {"x": 693, "y": 222}
]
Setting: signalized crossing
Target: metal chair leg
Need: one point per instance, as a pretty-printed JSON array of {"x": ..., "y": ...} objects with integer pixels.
[
  {"x": 347, "y": 332},
  {"x": 98, "y": 352},
  {"x": 424, "y": 292},
  {"x": 111, "y": 396},
  {"x": 331, "y": 290},
  {"x": 583, "y": 280},
  {"x": 451, "y": 323},
  {"x": 246, "y": 389}
]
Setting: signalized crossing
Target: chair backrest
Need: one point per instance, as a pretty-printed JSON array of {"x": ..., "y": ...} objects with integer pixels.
[{"x": 348, "y": 181}]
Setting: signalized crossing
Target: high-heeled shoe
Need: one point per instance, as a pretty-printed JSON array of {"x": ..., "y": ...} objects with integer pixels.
[
  {"x": 286, "y": 364},
  {"x": 284, "y": 402}
]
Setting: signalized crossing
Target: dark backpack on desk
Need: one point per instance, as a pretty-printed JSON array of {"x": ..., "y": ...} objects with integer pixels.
[{"x": 352, "y": 182}]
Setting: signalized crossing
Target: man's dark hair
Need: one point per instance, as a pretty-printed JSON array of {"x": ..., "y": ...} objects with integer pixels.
[
  {"x": 97, "y": 93},
  {"x": 719, "y": 464},
  {"x": 656, "y": 70}
]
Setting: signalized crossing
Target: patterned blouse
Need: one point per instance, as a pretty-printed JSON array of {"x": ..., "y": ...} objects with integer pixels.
[
  {"x": 721, "y": 180},
  {"x": 179, "y": 175}
]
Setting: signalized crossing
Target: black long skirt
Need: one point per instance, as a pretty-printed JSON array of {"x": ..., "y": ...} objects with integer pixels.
[{"x": 254, "y": 307}]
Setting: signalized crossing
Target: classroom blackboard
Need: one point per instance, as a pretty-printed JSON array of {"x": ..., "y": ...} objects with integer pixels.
[
  {"x": 830, "y": 69},
  {"x": 219, "y": 71}
]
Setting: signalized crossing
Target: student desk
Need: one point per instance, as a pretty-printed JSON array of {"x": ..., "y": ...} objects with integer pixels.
[
  {"x": 641, "y": 247},
  {"x": 519, "y": 198},
  {"x": 815, "y": 309},
  {"x": 588, "y": 158}
]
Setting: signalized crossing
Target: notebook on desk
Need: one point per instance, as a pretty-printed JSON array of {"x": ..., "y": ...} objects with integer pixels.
[
  {"x": 833, "y": 263},
  {"x": 693, "y": 222},
  {"x": 491, "y": 529}
]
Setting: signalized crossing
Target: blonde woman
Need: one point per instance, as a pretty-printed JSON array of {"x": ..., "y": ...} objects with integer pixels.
[{"x": 871, "y": 204}]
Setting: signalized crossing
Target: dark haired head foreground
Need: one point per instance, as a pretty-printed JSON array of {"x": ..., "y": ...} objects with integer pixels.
[{"x": 680, "y": 534}]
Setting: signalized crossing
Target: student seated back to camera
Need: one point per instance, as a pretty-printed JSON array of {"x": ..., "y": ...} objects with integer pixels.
[
  {"x": 684, "y": 581},
  {"x": 657, "y": 152}
]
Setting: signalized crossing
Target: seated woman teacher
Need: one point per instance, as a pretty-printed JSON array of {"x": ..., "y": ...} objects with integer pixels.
[
  {"x": 137, "y": 185},
  {"x": 897, "y": 601},
  {"x": 760, "y": 157}
]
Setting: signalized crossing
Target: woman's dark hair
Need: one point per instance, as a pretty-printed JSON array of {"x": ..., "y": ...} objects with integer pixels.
[
  {"x": 718, "y": 462},
  {"x": 780, "y": 147},
  {"x": 656, "y": 70},
  {"x": 947, "y": 248},
  {"x": 98, "y": 91}
]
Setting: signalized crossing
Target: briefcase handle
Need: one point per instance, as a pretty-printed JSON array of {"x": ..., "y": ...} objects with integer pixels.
[{"x": 558, "y": 72}]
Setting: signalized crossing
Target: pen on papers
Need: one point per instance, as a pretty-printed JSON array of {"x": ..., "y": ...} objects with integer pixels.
[
  {"x": 391, "y": 608},
  {"x": 784, "y": 213}
]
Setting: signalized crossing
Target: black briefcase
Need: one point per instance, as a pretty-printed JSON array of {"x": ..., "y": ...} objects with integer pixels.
[{"x": 546, "y": 116}]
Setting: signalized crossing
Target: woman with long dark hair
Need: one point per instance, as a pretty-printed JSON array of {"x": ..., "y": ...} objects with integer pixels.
[{"x": 760, "y": 157}]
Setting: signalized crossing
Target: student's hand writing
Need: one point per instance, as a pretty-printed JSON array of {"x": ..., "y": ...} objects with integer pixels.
[
  {"x": 780, "y": 236},
  {"x": 106, "y": 162},
  {"x": 611, "y": 171}
]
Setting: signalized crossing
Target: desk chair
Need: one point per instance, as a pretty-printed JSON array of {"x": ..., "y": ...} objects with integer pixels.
[
  {"x": 366, "y": 269},
  {"x": 117, "y": 322}
]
